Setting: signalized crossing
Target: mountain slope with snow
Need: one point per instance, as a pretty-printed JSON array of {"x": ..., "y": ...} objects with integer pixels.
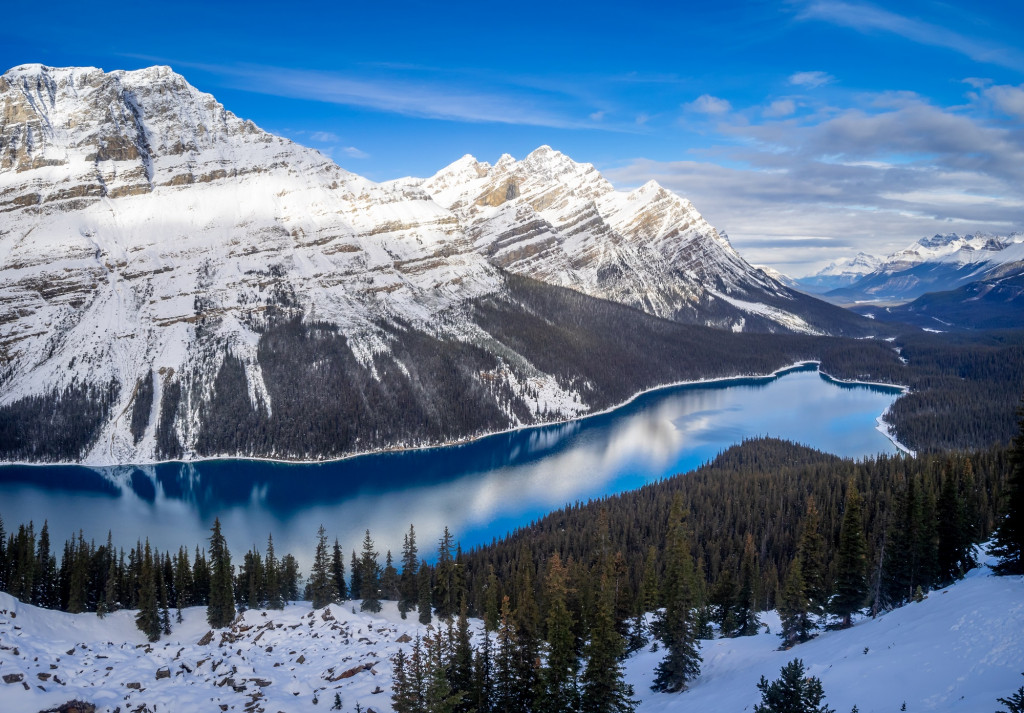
[
  {"x": 173, "y": 278},
  {"x": 937, "y": 264},
  {"x": 956, "y": 651}
]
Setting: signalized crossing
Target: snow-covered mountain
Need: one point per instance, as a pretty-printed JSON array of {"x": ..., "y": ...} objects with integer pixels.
[
  {"x": 840, "y": 273},
  {"x": 936, "y": 264},
  {"x": 150, "y": 240}
]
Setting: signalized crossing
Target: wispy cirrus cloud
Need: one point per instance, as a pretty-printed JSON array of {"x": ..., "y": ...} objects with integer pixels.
[
  {"x": 443, "y": 99},
  {"x": 869, "y": 18},
  {"x": 797, "y": 194},
  {"x": 811, "y": 80},
  {"x": 450, "y": 95}
]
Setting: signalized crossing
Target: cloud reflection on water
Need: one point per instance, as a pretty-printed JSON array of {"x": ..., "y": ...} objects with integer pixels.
[{"x": 478, "y": 490}]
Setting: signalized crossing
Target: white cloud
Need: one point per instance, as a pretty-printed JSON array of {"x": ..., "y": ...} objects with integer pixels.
[
  {"x": 780, "y": 108},
  {"x": 353, "y": 152},
  {"x": 868, "y": 18},
  {"x": 324, "y": 137},
  {"x": 852, "y": 180},
  {"x": 597, "y": 115},
  {"x": 811, "y": 80},
  {"x": 707, "y": 104},
  {"x": 1007, "y": 99}
]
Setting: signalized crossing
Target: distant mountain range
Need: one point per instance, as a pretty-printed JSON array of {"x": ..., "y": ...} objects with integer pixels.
[
  {"x": 936, "y": 264},
  {"x": 177, "y": 282}
]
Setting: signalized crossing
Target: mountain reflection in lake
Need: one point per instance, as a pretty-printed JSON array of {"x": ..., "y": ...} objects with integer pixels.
[{"x": 480, "y": 490}]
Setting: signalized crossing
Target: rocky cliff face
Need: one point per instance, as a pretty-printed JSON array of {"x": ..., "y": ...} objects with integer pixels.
[
  {"x": 561, "y": 222},
  {"x": 150, "y": 241}
]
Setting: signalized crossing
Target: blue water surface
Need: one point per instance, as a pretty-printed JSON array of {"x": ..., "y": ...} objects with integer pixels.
[{"x": 480, "y": 490}]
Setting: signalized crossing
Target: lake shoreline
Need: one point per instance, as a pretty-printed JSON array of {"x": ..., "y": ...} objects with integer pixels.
[{"x": 881, "y": 426}]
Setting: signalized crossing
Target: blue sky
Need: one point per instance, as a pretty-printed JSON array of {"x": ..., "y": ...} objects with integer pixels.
[{"x": 807, "y": 130}]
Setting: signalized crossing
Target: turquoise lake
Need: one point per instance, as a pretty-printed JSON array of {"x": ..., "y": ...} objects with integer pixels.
[{"x": 480, "y": 489}]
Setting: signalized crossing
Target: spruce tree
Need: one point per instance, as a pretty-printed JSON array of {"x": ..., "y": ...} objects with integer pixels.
[
  {"x": 369, "y": 572},
  {"x": 792, "y": 692},
  {"x": 220, "y": 611},
  {"x": 357, "y": 577},
  {"x": 1015, "y": 702},
  {"x": 321, "y": 583},
  {"x": 1008, "y": 539},
  {"x": 423, "y": 595},
  {"x": 560, "y": 677},
  {"x": 851, "y": 585},
  {"x": 510, "y": 694},
  {"x": 794, "y": 607},
  {"x": 483, "y": 675},
  {"x": 275, "y": 598},
  {"x": 724, "y": 596},
  {"x": 338, "y": 572},
  {"x": 747, "y": 623},
  {"x": 389, "y": 580},
  {"x": 408, "y": 585},
  {"x": 148, "y": 616},
  {"x": 460, "y": 666},
  {"x": 602, "y": 688},
  {"x": 955, "y": 530},
  {"x": 444, "y": 578},
  {"x": 676, "y": 625},
  {"x": 811, "y": 552},
  {"x": 403, "y": 697}
]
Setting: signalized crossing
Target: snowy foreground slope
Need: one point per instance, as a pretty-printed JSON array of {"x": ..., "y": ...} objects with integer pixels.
[{"x": 958, "y": 650}]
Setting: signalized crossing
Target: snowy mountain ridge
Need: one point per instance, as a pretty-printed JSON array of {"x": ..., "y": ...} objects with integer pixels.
[
  {"x": 932, "y": 264},
  {"x": 147, "y": 235}
]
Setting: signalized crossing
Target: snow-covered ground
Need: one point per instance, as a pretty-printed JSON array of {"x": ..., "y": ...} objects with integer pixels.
[{"x": 958, "y": 650}]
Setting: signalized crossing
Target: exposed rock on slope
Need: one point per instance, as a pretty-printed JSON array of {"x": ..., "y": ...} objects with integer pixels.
[{"x": 175, "y": 282}]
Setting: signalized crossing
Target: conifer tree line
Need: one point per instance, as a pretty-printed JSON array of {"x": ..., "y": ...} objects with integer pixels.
[{"x": 768, "y": 523}]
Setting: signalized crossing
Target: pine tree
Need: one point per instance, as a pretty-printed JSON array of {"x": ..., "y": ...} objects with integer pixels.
[
  {"x": 560, "y": 677},
  {"x": 289, "y": 578},
  {"x": 676, "y": 626},
  {"x": 492, "y": 599},
  {"x": 275, "y": 598},
  {"x": 460, "y": 668},
  {"x": 220, "y": 611},
  {"x": 148, "y": 616},
  {"x": 510, "y": 694},
  {"x": 792, "y": 692},
  {"x": 369, "y": 572},
  {"x": 794, "y": 607},
  {"x": 851, "y": 585},
  {"x": 724, "y": 596},
  {"x": 45, "y": 581},
  {"x": 338, "y": 572},
  {"x": 1008, "y": 539},
  {"x": 483, "y": 675},
  {"x": 389, "y": 579},
  {"x": 955, "y": 531},
  {"x": 811, "y": 552},
  {"x": 747, "y": 623},
  {"x": 408, "y": 582},
  {"x": 423, "y": 596},
  {"x": 165, "y": 614},
  {"x": 602, "y": 688},
  {"x": 1015, "y": 702},
  {"x": 110, "y": 588},
  {"x": 200, "y": 579},
  {"x": 357, "y": 577},
  {"x": 444, "y": 578},
  {"x": 321, "y": 584},
  {"x": 404, "y": 699}
]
